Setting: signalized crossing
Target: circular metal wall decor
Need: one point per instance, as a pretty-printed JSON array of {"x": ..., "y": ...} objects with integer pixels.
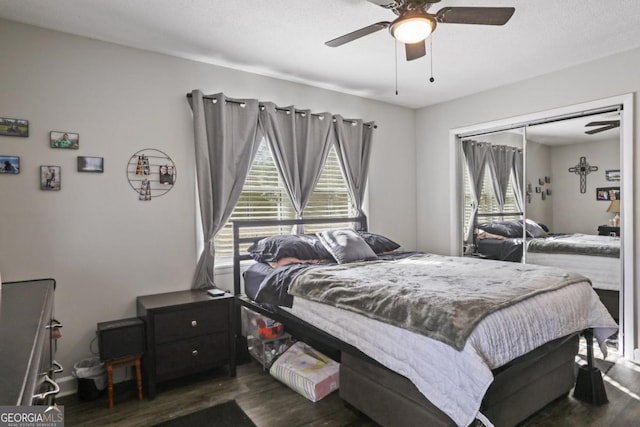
[{"x": 151, "y": 173}]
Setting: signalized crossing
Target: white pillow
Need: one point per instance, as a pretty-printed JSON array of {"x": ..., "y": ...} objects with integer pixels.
[{"x": 345, "y": 245}]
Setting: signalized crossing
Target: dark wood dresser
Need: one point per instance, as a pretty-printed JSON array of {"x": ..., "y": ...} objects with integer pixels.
[
  {"x": 187, "y": 332},
  {"x": 27, "y": 344}
]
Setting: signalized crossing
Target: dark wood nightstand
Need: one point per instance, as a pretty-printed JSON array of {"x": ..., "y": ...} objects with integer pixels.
[
  {"x": 187, "y": 332},
  {"x": 605, "y": 230}
]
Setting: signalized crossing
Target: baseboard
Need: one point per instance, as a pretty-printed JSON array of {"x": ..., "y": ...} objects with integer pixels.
[{"x": 69, "y": 384}]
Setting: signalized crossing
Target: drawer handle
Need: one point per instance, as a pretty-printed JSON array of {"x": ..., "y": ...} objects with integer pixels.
[
  {"x": 58, "y": 367},
  {"x": 54, "y": 325},
  {"x": 56, "y": 389},
  {"x": 194, "y": 353},
  {"x": 194, "y": 323}
]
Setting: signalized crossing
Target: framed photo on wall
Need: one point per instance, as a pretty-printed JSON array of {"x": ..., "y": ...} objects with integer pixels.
[
  {"x": 90, "y": 164},
  {"x": 50, "y": 178},
  {"x": 64, "y": 140},
  {"x": 608, "y": 193},
  {"x": 9, "y": 164},
  {"x": 612, "y": 175},
  {"x": 14, "y": 127}
]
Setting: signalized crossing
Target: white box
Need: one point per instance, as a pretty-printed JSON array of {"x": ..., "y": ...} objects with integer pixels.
[{"x": 307, "y": 371}]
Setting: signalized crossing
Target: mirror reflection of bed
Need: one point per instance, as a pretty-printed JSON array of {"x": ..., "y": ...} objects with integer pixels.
[
  {"x": 594, "y": 256},
  {"x": 569, "y": 224}
]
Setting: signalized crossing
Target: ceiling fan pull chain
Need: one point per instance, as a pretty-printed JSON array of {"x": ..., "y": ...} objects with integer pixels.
[
  {"x": 431, "y": 79},
  {"x": 396, "y": 58}
]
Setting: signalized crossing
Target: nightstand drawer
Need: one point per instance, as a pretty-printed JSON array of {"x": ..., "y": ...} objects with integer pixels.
[
  {"x": 192, "y": 354},
  {"x": 182, "y": 324}
]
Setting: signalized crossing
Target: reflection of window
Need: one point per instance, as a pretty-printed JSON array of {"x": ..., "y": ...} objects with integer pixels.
[
  {"x": 488, "y": 202},
  {"x": 265, "y": 197}
]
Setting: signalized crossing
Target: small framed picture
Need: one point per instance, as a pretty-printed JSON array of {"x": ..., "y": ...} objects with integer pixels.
[
  {"x": 9, "y": 164},
  {"x": 64, "y": 140},
  {"x": 544, "y": 196},
  {"x": 14, "y": 127},
  {"x": 548, "y": 191},
  {"x": 540, "y": 181},
  {"x": 538, "y": 189},
  {"x": 612, "y": 175},
  {"x": 50, "y": 178},
  {"x": 166, "y": 174},
  {"x": 90, "y": 164},
  {"x": 608, "y": 193},
  {"x": 547, "y": 179}
]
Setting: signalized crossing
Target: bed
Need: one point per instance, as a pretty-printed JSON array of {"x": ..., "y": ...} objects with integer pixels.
[
  {"x": 396, "y": 374},
  {"x": 596, "y": 257}
]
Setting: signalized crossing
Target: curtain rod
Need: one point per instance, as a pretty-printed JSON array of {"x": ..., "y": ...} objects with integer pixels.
[{"x": 189, "y": 95}]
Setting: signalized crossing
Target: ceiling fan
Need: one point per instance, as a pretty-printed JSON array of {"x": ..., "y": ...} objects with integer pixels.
[
  {"x": 414, "y": 23},
  {"x": 604, "y": 125}
]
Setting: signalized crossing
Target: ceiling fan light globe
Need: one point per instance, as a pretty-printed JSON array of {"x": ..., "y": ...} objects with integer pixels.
[{"x": 412, "y": 29}]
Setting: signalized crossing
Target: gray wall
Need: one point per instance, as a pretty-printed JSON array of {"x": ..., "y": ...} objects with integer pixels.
[
  {"x": 575, "y": 212},
  {"x": 102, "y": 245},
  {"x": 539, "y": 166}
]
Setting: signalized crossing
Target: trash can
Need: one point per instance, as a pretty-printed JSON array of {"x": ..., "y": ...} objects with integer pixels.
[{"x": 92, "y": 378}]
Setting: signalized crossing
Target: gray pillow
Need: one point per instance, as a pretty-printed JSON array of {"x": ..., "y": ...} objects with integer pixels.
[{"x": 345, "y": 245}]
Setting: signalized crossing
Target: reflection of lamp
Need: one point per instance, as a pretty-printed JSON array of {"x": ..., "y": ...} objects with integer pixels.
[
  {"x": 615, "y": 208},
  {"x": 413, "y": 27}
]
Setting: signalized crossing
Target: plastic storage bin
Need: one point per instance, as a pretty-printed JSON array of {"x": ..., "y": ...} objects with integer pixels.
[
  {"x": 259, "y": 326},
  {"x": 266, "y": 351}
]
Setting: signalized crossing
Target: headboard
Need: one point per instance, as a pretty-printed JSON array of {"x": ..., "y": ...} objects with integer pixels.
[{"x": 238, "y": 226}]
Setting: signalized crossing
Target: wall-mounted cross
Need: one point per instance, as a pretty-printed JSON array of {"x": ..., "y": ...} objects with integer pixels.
[{"x": 583, "y": 169}]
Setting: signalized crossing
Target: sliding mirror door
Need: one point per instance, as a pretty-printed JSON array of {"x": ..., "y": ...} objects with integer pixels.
[
  {"x": 578, "y": 179},
  {"x": 494, "y": 196},
  {"x": 574, "y": 169}
]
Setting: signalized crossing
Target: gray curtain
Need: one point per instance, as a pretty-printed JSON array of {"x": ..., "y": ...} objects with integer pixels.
[
  {"x": 300, "y": 143},
  {"x": 226, "y": 140},
  {"x": 500, "y": 164},
  {"x": 518, "y": 178},
  {"x": 475, "y": 154},
  {"x": 353, "y": 143}
]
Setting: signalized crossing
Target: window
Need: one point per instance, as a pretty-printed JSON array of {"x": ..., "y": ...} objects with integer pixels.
[
  {"x": 265, "y": 197},
  {"x": 488, "y": 202}
]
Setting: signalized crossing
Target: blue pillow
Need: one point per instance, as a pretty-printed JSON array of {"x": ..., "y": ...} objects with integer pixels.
[
  {"x": 380, "y": 244},
  {"x": 511, "y": 229},
  {"x": 274, "y": 248}
]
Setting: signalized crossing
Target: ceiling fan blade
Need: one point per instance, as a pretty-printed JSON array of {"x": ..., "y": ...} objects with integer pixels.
[
  {"x": 604, "y": 125},
  {"x": 614, "y": 123},
  {"x": 415, "y": 50},
  {"x": 475, "y": 15},
  {"x": 387, "y": 4},
  {"x": 339, "y": 41}
]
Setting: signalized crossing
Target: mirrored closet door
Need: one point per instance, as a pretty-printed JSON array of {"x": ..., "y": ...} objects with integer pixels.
[{"x": 548, "y": 193}]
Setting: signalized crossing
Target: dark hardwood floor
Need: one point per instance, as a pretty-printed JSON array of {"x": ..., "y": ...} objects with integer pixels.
[{"x": 271, "y": 404}]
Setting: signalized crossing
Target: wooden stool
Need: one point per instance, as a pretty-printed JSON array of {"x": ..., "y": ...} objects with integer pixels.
[{"x": 121, "y": 363}]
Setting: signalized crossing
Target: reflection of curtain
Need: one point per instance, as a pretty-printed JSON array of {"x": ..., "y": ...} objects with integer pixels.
[
  {"x": 476, "y": 154},
  {"x": 518, "y": 178},
  {"x": 500, "y": 164},
  {"x": 300, "y": 143},
  {"x": 353, "y": 143},
  {"x": 226, "y": 140}
]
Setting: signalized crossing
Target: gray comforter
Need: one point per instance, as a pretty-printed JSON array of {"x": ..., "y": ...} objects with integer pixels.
[
  {"x": 577, "y": 244},
  {"x": 441, "y": 297}
]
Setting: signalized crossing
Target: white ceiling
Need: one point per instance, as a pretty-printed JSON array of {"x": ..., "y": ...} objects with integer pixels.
[{"x": 285, "y": 39}]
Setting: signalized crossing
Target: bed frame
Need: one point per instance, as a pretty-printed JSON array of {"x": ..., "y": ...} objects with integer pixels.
[{"x": 520, "y": 388}]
